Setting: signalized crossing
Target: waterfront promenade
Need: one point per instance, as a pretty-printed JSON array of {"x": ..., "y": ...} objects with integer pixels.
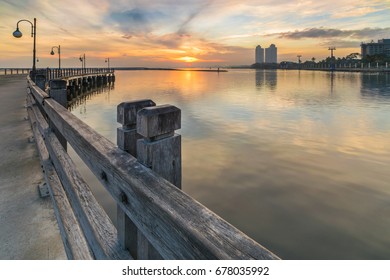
[{"x": 28, "y": 227}]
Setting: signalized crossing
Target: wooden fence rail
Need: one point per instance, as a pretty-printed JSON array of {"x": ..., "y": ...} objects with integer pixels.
[
  {"x": 53, "y": 73},
  {"x": 14, "y": 71},
  {"x": 155, "y": 218}
]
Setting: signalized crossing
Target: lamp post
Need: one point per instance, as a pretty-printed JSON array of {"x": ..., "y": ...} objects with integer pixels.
[
  {"x": 299, "y": 61},
  {"x": 332, "y": 57},
  {"x": 108, "y": 61},
  {"x": 82, "y": 59},
  {"x": 18, "y": 34},
  {"x": 59, "y": 55}
]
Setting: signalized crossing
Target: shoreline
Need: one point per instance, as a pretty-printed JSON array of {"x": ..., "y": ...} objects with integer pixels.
[{"x": 167, "y": 69}]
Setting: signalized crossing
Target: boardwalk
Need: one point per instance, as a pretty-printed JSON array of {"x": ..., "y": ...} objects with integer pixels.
[{"x": 28, "y": 228}]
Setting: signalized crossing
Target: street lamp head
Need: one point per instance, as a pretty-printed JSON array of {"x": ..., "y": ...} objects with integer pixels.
[
  {"x": 52, "y": 52},
  {"x": 17, "y": 33}
]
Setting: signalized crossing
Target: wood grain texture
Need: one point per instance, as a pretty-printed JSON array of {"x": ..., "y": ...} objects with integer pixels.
[
  {"x": 158, "y": 120},
  {"x": 127, "y": 111},
  {"x": 75, "y": 244},
  {"x": 177, "y": 226},
  {"x": 128, "y": 234},
  {"x": 163, "y": 157},
  {"x": 96, "y": 226}
]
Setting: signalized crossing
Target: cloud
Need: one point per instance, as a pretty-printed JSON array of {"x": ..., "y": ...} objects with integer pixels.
[
  {"x": 355, "y": 12},
  {"x": 128, "y": 37},
  {"x": 192, "y": 15},
  {"x": 332, "y": 33},
  {"x": 171, "y": 40},
  {"x": 137, "y": 20},
  {"x": 157, "y": 18},
  {"x": 340, "y": 43}
]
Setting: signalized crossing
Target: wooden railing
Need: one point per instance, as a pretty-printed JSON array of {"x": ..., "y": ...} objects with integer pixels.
[
  {"x": 63, "y": 73},
  {"x": 14, "y": 71},
  {"x": 155, "y": 218}
]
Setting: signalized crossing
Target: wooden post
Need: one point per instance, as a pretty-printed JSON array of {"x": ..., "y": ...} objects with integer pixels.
[
  {"x": 160, "y": 151},
  {"x": 89, "y": 81},
  {"x": 40, "y": 81},
  {"x": 79, "y": 85},
  {"x": 72, "y": 88},
  {"x": 161, "y": 148},
  {"x": 99, "y": 80},
  {"x": 127, "y": 140},
  {"x": 58, "y": 91},
  {"x": 127, "y": 135},
  {"x": 85, "y": 84}
]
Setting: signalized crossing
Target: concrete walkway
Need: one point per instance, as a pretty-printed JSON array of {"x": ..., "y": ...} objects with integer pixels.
[{"x": 28, "y": 228}]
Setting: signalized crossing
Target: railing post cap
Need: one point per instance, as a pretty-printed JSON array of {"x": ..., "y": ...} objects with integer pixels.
[
  {"x": 158, "y": 120},
  {"x": 127, "y": 111}
]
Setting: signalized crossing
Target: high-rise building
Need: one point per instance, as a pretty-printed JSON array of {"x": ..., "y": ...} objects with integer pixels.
[
  {"x": 382, "y": 47},
  {"x": 271, "y": 54},
  {"x": 259, "y": 53}
]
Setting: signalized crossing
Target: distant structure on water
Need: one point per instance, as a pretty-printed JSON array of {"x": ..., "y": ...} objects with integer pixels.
[
  {"x": 271, "y": 54},
  {"x": 259, "y": 53},
  {"x": 381, "y": 47}
]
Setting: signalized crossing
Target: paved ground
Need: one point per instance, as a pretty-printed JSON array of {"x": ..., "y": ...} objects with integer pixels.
[{"x": 28, "y": 228}]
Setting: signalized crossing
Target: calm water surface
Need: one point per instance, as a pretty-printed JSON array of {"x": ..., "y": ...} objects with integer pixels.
[{"x": 299, "y": 161}]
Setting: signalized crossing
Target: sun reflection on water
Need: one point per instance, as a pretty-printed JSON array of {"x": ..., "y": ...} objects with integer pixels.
[{"x": 298, "y": 160}]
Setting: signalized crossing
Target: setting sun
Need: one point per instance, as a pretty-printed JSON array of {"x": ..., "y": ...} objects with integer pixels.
[
  {"x": 188, "y": 59},
  {"x": 201, "y": 33}
]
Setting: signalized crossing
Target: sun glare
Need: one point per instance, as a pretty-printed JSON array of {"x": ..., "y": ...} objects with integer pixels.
[{"x": 188, "y": 59}]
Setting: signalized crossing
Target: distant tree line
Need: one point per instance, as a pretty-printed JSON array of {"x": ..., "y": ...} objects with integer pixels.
[
  {"x": 351, "y": 59},
  {"x": 265, "y": 66},
  {"x": 356, "y": 57}
]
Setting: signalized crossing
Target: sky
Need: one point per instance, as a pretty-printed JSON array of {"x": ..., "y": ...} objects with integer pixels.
[{"x": 186, "y": 33}]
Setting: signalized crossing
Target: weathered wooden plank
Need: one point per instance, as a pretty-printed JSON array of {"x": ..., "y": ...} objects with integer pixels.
[
  {"x": 74, "y": 241},
  {"x": 98, "y": 228},
  {"x": 177, "y": 226},
  {"x": 101, "y": 233},
  {"x": 35, "y": 89}
]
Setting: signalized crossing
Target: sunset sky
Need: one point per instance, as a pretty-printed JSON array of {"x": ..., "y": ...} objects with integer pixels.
[{"x": 176, "y": 33}]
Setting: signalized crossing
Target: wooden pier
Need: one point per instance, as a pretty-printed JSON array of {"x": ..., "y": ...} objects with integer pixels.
[{"x": 142, "y": 172}]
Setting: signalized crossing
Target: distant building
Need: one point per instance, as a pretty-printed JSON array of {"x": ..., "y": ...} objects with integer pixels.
[
  {"x": 259, "y": 53},
  {"x": 382, "y": 47},
  {"x": 271, "y": 54}
]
